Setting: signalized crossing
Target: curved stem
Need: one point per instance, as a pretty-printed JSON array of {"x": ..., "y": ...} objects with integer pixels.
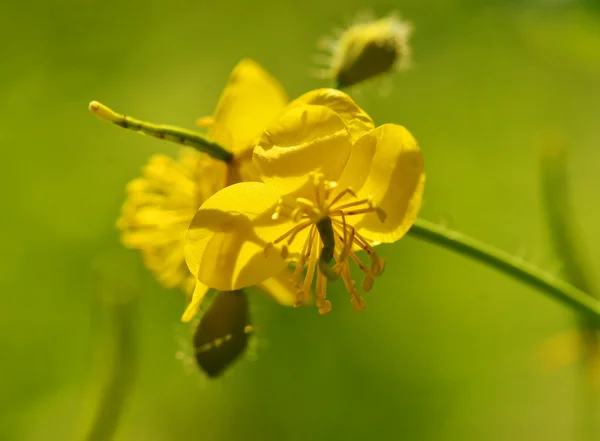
[
  {"x": 120, "y": 372},
  {"x": 567, "y": 246},
  {"x": 559, "y": 215},
  {"x": 169, "y": 133},
  {"x": 565, "y": 293}
]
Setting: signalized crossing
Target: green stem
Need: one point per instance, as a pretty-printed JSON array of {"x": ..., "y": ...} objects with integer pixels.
[
  {"x": 560, "y": 219},
  {"x": 570, "y": 296},
  {"x": 169, "y": 133},
  {"x": 555, "y": 192},
  {"x": 120, "y": 373}
]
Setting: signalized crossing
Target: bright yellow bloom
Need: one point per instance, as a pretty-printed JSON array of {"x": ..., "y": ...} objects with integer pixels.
[
  {"x": 161, "y": 204},
  {"x": 332, "y": 185},
  {"x": 159, "y": 207}
]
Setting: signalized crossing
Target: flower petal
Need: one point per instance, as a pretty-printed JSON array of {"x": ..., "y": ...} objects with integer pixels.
[
  {"x": 197, "y": 297},
  {"x": 252, "y": 99},
  {"x": 306, "y": 138},
  {"x": 355, "y": 118},
  {"x": 386, "y": 164},
  {"x": 225, "y": 243},
  {"x": 281, "y": 288}
]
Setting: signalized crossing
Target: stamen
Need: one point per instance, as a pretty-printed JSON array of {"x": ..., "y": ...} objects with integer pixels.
[
  {"x": 336, "y": 240},
  {"x": 282, "y": 208},
  {"x": 267, "y": 249},
  {"x": 293, "y": 232},
  {"x": 297, "y": 214},
  {"x": 381, "y": 214},
  {"x": 329, "y": 186},
  {"x": 322, "y": 303},
  {"x": 308, "y": 208},
  {"x": 369, "y": 203},
  {"x": 368, "y": 282},
  {"x": 358, "y": 303},
  {"x": 376, "y": 262},
  {"x": 304, "y": 256},
  {"x": 284, "y": 252},
  {"x": 305, "y": 203},
  {"x": 377, "y": 265},
  {"x": 319, "y": 187},
  {"x": 348, "y": 240},
  {"x": 342, "y": 194},
  {"x": 312, "y": 264},
  {"x": 359, "y": 263}
]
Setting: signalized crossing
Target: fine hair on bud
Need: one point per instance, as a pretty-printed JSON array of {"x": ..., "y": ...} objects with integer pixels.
[{"x": 366, "y": 49}]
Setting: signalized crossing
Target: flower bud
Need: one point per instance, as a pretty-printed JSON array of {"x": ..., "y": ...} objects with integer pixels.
[
  {"x": 368, "y": 49},
  {"x": 222, "y": 333}
]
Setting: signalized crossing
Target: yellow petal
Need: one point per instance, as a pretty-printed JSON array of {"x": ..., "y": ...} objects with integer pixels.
[
  {"x": 281, "y": 288},
  {"x": 197, "y": 297},
  {"x": 356, "y": 119},
  {"x": 252, "y": 99},
  {"x": 225, "y": 243},
  {"x": 305, "y": 139},
  {"x": 386, "y": 164}
]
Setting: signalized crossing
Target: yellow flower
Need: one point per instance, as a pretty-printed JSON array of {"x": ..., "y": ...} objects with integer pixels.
[
  {"x": 367, "y": 49},
  {"x": 159, "y": 207},
  {"x": 161, "y": 204},
  {"x": 332, "y": 184}
]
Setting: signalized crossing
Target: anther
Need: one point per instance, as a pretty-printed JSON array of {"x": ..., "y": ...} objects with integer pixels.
[
  {"x": 300, "y": 298},
  {"x": 268, "y": 248},
  {"x": 368, "y": 282},
  {"x": 381, "y": 214},
  {"x": 325, "y": 307},
  {"x": 377, "y": 265},
  {"x": 358, "y": 303}
]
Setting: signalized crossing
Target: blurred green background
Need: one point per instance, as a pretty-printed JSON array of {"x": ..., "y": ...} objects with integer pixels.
[{"x": 446, "y": 348}]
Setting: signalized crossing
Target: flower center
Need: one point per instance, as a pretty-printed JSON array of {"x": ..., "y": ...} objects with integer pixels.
[{"x": 327, "y": 215}]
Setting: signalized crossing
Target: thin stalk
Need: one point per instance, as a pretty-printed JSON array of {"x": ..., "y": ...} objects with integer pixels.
[
  {"x": 560, "y": 219},
  {"x": 169, "y": 133},
  {"x": 559, "y": 215},
  {"x": 120, "y": 373},
  {"x": 115, "y": 284},
  {"x": 525, "y": 272}
]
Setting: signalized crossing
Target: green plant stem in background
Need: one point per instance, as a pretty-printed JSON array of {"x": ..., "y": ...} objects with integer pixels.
[
  {"x": 523, "y": 271},
  {"x": 119, "y": 372},
  {"x": 560, "y": 219},
  {"x": 169, "y": 133},
  {"x": 115, "y": 281},
  {"x": 559, "y": 215}
]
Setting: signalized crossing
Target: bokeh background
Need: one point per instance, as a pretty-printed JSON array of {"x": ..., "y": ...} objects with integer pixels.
[{"x": 446, "y": 348}]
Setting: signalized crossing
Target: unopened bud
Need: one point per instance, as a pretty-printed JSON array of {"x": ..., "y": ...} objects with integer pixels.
[
  {"x": 368, "y": 49},
  {"x": 222, "y": 333}
]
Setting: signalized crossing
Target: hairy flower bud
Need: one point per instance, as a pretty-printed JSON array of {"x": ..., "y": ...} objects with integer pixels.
[
  {"x": 368, "y": 49},
  {"x": 222, "y": 333}
]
